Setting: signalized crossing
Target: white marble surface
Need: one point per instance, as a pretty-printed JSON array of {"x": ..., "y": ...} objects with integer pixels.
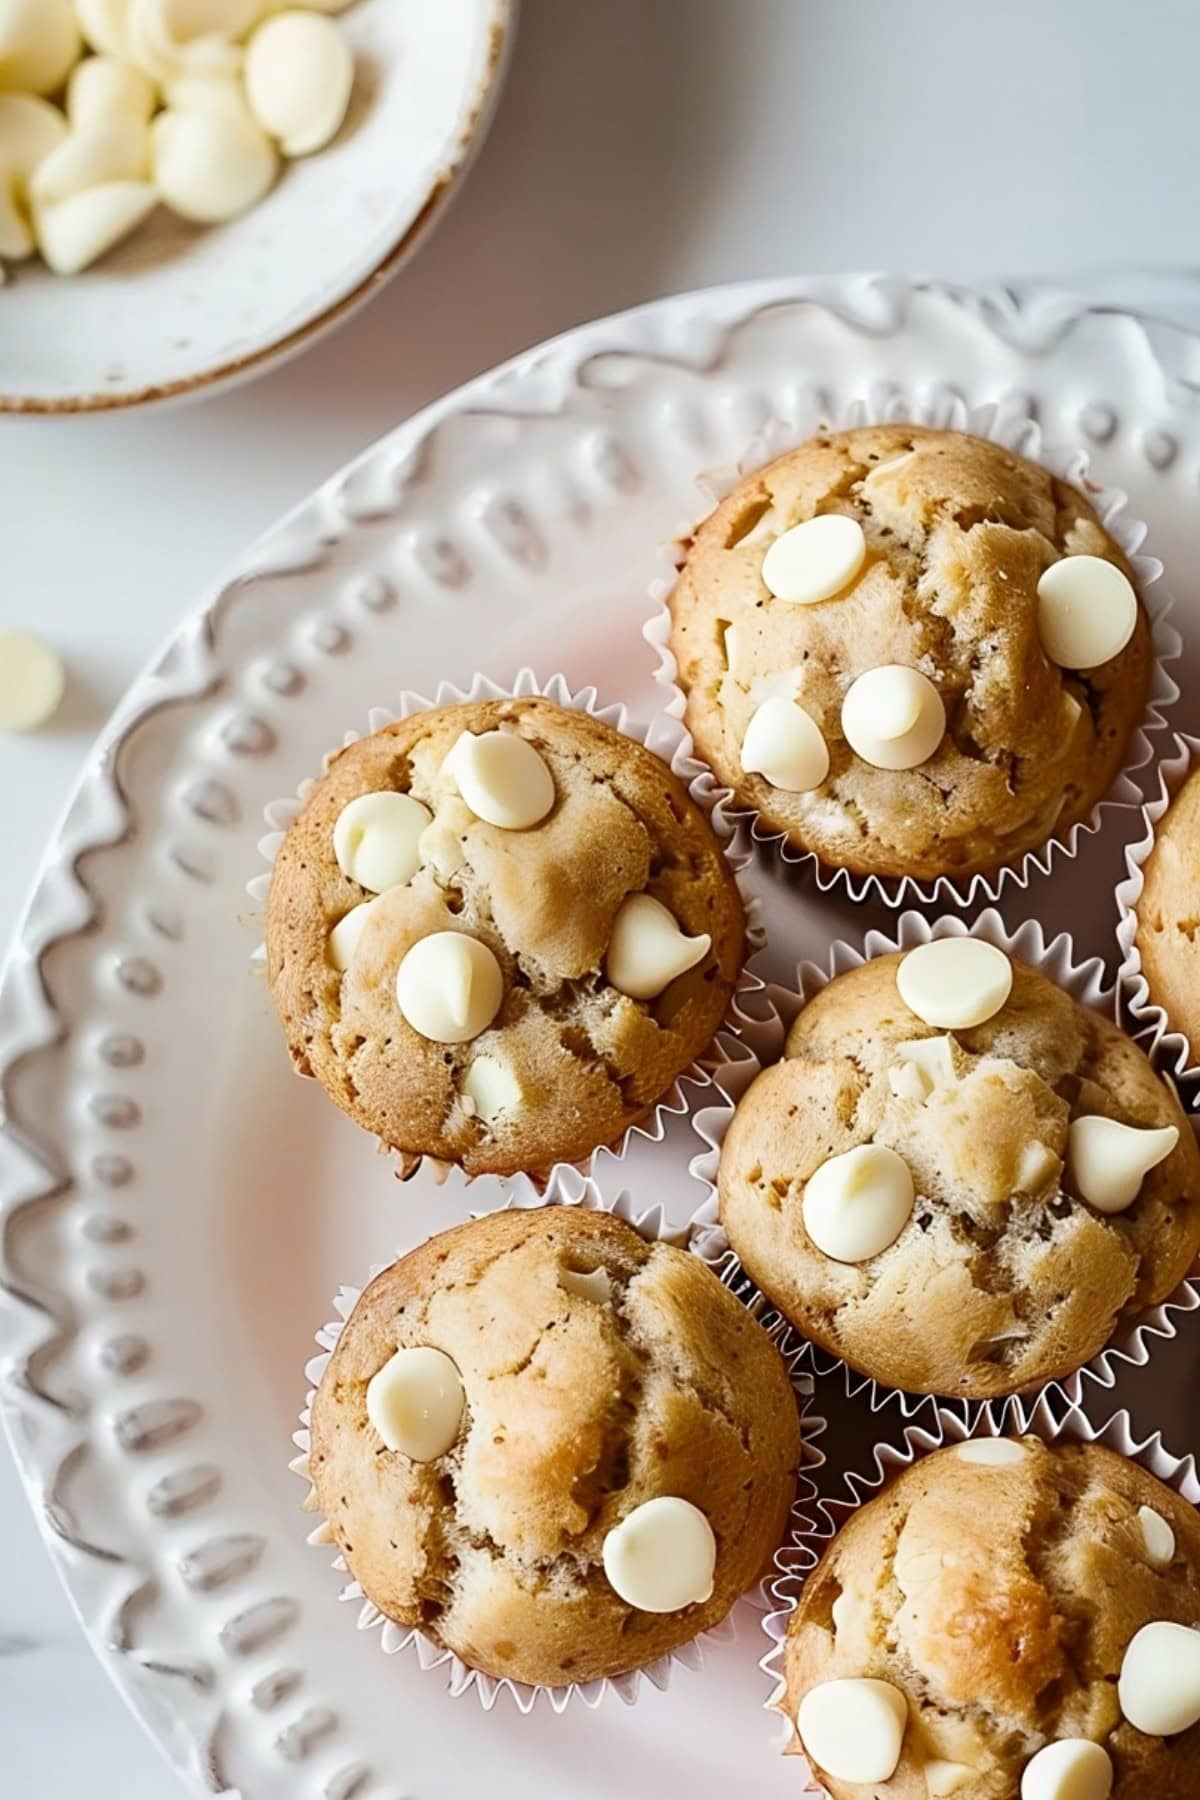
[{"x": 643, "y": 146}]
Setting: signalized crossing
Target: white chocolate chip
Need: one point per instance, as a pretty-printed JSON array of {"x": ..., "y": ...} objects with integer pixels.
[
  {"x": 662, "y": 1557},
  {"x": 1159, "y": 1687},
  {"x": 299, "y": 72},
  {"x": 211, "y": 164},
  {"x": 893, "y": 717},
  {"x": 595, "y": 1285},
  {"x": 923, "y": 1065},
  {"x": 945, "y": 1778},
  {"x": 104, "y": 87},
  {"x": 343, "y": 939},
  {"x": 376, "y": 839},
  {"x": 415, "y": 1402},
  {"x": 815, "y": 560},
  {"x": 169, "y": 38},
  {"x": 1157, "y": 1536},
  {"x": 1072, "y": 1769},
  {"x": 858, "y": 1203},
  {"x": 784, "y": 744},
  {"x": 647, "y": 950},
  {"x": 492, "y": 1088},
  {"x": 1108, "y": 1161},
  {"x": 954, "y": 983},
  {"x": 31, "y": 681},
  {"x": 105, "y": 25},
  {"x": 1036, "y": 1165},
  {"x": 39, "y": 43},
  {"x": 30, "y": 131},
  {"x": 106, "y": 150},
  {"x": 502, "y": 778},
  {"x": 991, "y": 1453},
  {"x": 731, "y": 643},
  {"x": 440, "y": 845},
  {"x": 1087, "y": 611},
  {"x": 72, "y": 234},
  {"x": 853, "y": 1729},
  {"x": 449, "y": 987}
]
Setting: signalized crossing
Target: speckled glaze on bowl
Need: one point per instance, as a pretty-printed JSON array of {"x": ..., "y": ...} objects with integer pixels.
[{"x": 177, "y": 311}]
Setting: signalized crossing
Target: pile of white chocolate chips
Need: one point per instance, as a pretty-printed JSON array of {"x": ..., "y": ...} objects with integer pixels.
[{"x": 109, "y": 108}]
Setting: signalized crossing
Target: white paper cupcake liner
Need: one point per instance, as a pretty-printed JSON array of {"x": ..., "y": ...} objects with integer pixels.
[
  {"x": 666, "y": 738},
  {"x": 761, "y": 1043},
  {"x": 1147, "y": 1021},
  {"x": 794, "y": 1564},
  {"x": 652, "y": 1225},
  {"x": 1006, "y": 422}
]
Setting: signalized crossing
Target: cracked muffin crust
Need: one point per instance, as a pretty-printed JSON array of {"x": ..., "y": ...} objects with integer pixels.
[
  {"x": 578, "y": 1408},
  {"x": 581, "y": 1061},
  {"x": 1002, "y": 1277},
  {"x": 999, "y": 1600},
  {"x": 958, "y": 532},
  {"x": 1168, "y": 915}
]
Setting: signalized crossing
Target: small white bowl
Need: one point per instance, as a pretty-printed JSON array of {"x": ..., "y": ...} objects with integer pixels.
[{"x": 177, "y": 310}]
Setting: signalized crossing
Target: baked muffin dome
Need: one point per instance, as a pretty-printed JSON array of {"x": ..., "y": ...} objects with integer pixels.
[
  {"x": 1032, "y": 1223},
  {"x": 999, "y": 1601},
  {"x": 1166, "y": 936},
  {"x": 597, "y": 934},
  {"x": 928, "y": 560},
  {"x": 598, "y": 1374}
]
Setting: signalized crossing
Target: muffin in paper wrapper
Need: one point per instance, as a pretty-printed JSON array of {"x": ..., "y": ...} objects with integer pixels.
[
  {"x": 667, "y": 740},
  {"x": 1007, "y": 423},
  {"x": 459, "y": 1678},
  {"x": 761, "y": 1043},
  {"x": 941, "y": 1429}
]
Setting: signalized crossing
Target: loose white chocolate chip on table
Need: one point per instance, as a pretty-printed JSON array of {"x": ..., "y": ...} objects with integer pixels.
[
  {"x": 30, "y": 131},
  {"x": 595, "y": 1285},
  {"x": 376, "y": 839},
  {"x": 31, "y": 681},
  {"x": 106, "y": 150},
  {"x": 942, "y": 1779},
  {"x": 39, "y": 42},
  {"x": 815, "y": 560},
  {"x": 299, "y": 71},
  {"x": 1159, "y": 1687},
  {"x": 853, "y": 1729},
  {"x": 991, "y": 1453},
  {"x": 1157, "y": 1537},
  {"x": 893, "y": 717},
  {"x": 449, "y": 987},
  {"x": 343, "y": 939},
  {"x": 502, "y": 778},
  {"x": 415, "y": 1402},
  {"x": 72, "y": 234},
  {"x": 104, "y": 87},
  {"x": 1108, "y": 1161},
  {"x": 662, "y": 1557},
  {"x": 858, "y": 1203},
  {"x": 923, "y": 1065},
  {"x": 647, "y": 950},
  {"x": 1087, "y": 611},
  {"x": 492, "y": 1088},
  {"x": 1072, "y": 1769},
  {"x": 784, "y": 744},
  {"x": 954, "y": 983},
  {"x": 211, "y": 164}
]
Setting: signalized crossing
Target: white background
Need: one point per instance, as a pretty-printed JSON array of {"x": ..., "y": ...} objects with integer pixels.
[{"x": 642, "y": 146}]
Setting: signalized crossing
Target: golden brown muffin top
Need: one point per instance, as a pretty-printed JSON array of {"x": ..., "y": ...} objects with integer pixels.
[{"x": 958, "y": 533}]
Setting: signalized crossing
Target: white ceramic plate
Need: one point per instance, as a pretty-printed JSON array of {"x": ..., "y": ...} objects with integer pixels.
[
  {"x": 178, "y": 1209},
  {"x": 177, "y": 309}
]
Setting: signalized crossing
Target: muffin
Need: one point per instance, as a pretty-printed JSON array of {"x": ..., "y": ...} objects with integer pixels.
[
  {"x": 958, "y": 1179},
  {"x": 497, "y": 932},
  {"x": 911, "y": 652},
  {"x": 1168, "y": 916},
  {"x": 1005, "y": 1619},
  {"x": 560, "y": 1451}
]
